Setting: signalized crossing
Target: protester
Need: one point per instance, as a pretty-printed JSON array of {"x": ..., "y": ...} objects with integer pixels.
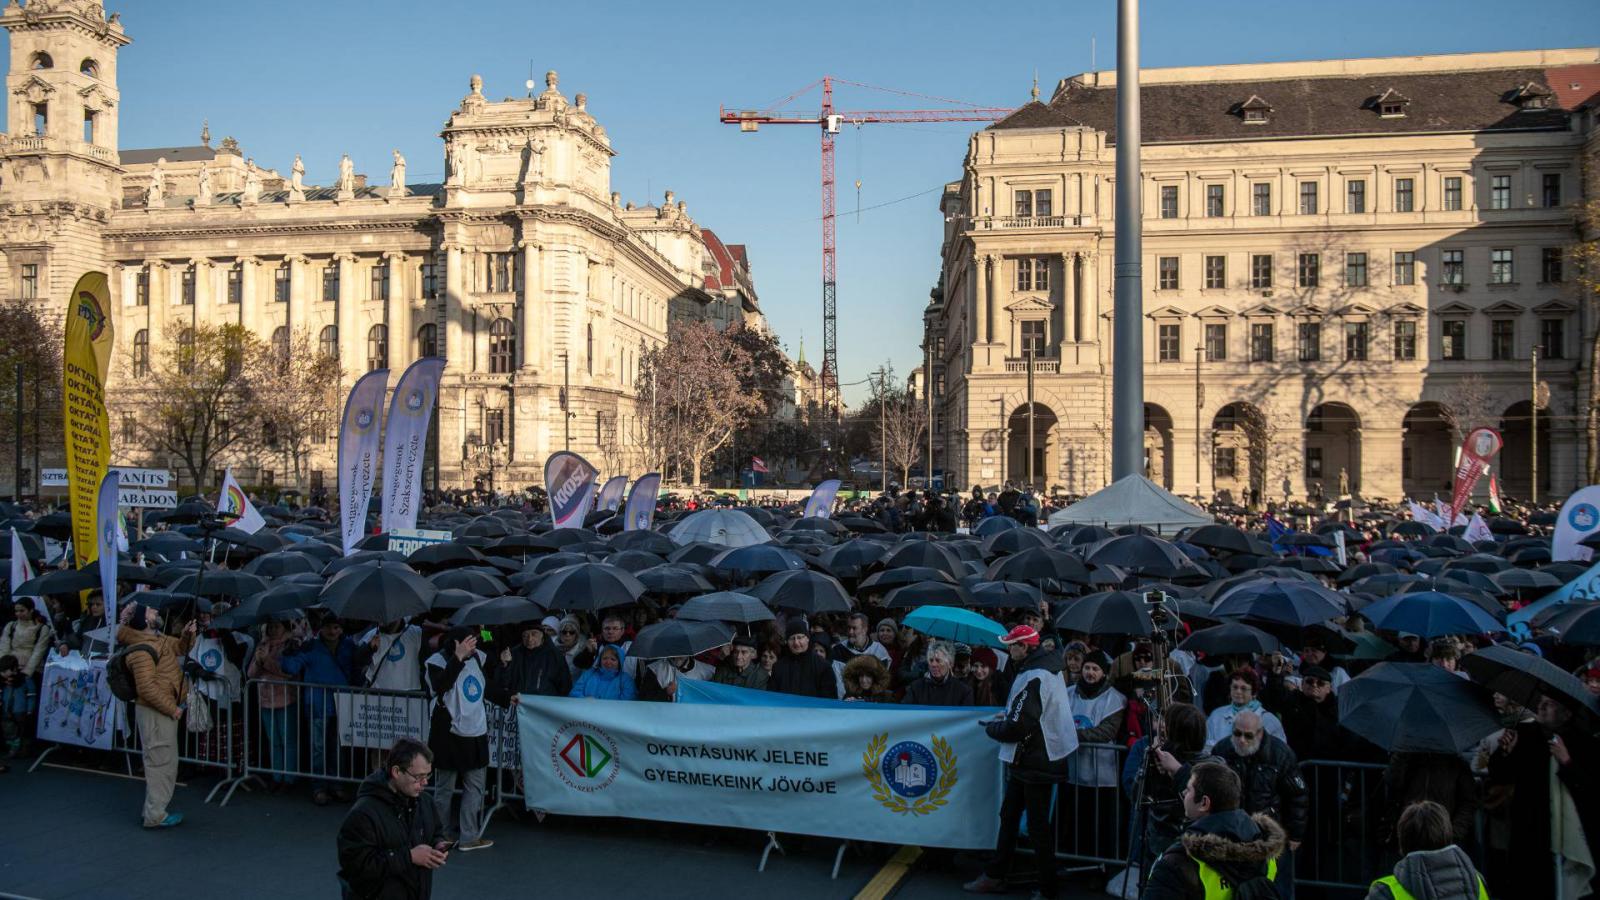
[
  {"x": 740, "y": 667},
  {"x": 26, "y": 637},
  {"x": 800, "y": 671},
  {"x": 983, "y": 679},
  {"x": 533, "y": 667},
  {"x": 1036, "y": 736},
  {"x": 1243, "y": 685},
  {"x": 1269, "y": 778},
  {"x": 938, "y": 686},
  {"x": 866, "y": 679},
  {"x": 390, "y": 657},
  {"x": 659, "y": 680},
  {"x": 330, "y": 659},
  {"x": 279, "y": 718},
  {"x": 860, "y": 640},
  {"x": 607, "y": 680},
  {"x": 1098, "y": 711},
  {"x": 1224, "y": 851},
  {"x": 155, "y": 662},
  {"x": 1179, "y": 745},
  {"x": 76, "y": 637},
  {"x": 459, "y": 734},
  {"x": 1440, "y": 778},
  {"x": 1309, "y": 714},
  {"x": 1431, "y": 864},
  {"x": 390, "y": 842},
  {"x": 1548, "y": 765},
  {"x": 570, "y": 640},
  {"x": 19, "y": 706}
]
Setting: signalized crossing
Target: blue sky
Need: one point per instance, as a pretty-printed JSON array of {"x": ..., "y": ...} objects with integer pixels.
[{"x": 325, "y": 78}]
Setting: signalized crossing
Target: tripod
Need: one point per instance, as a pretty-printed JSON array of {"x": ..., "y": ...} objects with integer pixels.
[{"x": 1162, "y": 616}]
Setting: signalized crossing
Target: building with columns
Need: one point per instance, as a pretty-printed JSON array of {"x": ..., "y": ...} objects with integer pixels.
[
  {"x": 540, "y": 287},
  {"x": 1345, "y": 263}
]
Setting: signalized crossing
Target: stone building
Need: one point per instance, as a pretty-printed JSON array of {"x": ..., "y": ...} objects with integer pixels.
[
  {"x": 1344, "y": 262},
  {"x": 536, "y": 282}
]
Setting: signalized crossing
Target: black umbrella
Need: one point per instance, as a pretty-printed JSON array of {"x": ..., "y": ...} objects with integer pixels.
[
  {"x": 276, "y": 565},
  {"x": 634, "y": 561},
  {"x": 1524, "y": 678},
  {"x": 466, "y": 580},
  {"x": 1281, "y": 600},
  {"x": 167, "y": 543},
  {"x": 275, "y": 602},
  {"x": 452, "y": 599},
  {"x": 879, "y": 582},
  {"x": 1230, "y": 639},
  {"x": 928, "y": 593},
  {"x": 1038, "y": 565},
  {"x": 923, "y": 554},
  {"x": 725, "y": 606},
  {"x": 170, "y": 600},
  {"x": 1108, "y": 612},
  {"x": 806, "y": 592},
  {"x": 498, "y": 611},
  {"x": 1014, "y": 540},
  {"x": 676, "y": 637},
  {"x": 59, "y": 581},
  {"x": 1226, "y": 538},
  {"x": 363, "y": 557},
  {"x": 756, "y": 560},
  {"x": 32, "y": 546},
  {"x": 648, "y": 541},
  {"x": 190, "y": 512},
  {"x": 671, "y": 578},
  {"x": 696, "y": 552},
  {"x": 444, "y": 555},
  {"x": 849, "y": 559},
  {"x": 1140, "y": 554},
  {"x": 1573, "y": 623},
  {"x": 56, "y": 525},
  {"x": 226, "y": 583},
  {"x": 587, "y": 587},
  {"x": 1416, "y": 708},
  {"x": 1002, "y": 594},
  {"x": 378, "y": 592}
]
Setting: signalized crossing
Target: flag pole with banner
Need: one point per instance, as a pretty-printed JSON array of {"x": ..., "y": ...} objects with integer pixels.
[
  {"x": 610, "y": 497},
  {"x": 236, "y": 508},
  {"x": 84, "y": 362},
  {"x": 105, "y": 513},
  {"x": 1480, "y": 446},
  {"x": 1579, "y": 518},
  {"x": 641, "y": 511},
  {"x": 405, "y": 441},
  {"x": 820, "y": 504},
  {"x": 20, "y": 572},
  {"x": 569, "y": 484},
  {"x": 358, "y": 454}
]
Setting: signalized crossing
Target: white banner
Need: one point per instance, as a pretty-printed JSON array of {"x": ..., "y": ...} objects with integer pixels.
[
  {"x": 76, "y": 706},
  {"x": 376, "y": 721},
  {"x": 358, "y": 454},
  {"x": 130, "y": 477},
  {"x": 105, "y": 529},
  {"x": 1579, "y": 517},
  {"x": 410, "y": 540},
  {"x": 134, "y": 498},
  {"x": 405, "y": 441},
  {"x": 20, "y": 572}
]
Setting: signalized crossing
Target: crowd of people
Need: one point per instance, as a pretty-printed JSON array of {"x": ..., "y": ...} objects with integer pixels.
[{"x": 1182, "y": 757}]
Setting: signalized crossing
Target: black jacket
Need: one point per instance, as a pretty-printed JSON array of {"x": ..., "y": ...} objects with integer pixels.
[
  {"x": 805, "y": 674},
  {"x": 1237, "y": 845},
  {"x": 1312, "y": 728},
  {"x": 1270, "y": 782},
  {"x": 375, "y": 843},
  {"x": 925, "y": 691},
  {"x": 1020, "y": 725},
  {"x": 540, "y": 672}
]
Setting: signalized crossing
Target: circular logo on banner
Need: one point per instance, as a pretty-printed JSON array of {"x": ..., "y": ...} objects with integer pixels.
[
  {"x": 472, "y": 689},
  {"x": 1584, "y": 517},
  {"x": 1484, "y": 445},
  {"x": 584, "y": 757},
  {"x": 211, "y": 660},
  {"x": 108, "y": 535},
  {"x": 910, "y": 777},
  {"x": 364, "y": 419},
  {"x": 416, "y": 399},
  {"x": 397, "y": 652},
  {"x": 89, "y": 311}
]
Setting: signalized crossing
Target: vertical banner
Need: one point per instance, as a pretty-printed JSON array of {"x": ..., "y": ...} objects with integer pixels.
[
  {"x": 105, "y": 513},
  {"x": 21, "y": 571},
  {"x": 236, "y": 508},
  {"x": 1579, "y": 518},
  {"x": 611, "y": 493},
  {"x": 405, "y": 440},
  {"x": 1480, "y": 446},
  {"x": 641, "y": 511},
  {"x": 569, "y": 482},
  {"x": 820, "y": 503},
  {"x": 84, "y": 362},
  {"x": 358, "y": 454}
]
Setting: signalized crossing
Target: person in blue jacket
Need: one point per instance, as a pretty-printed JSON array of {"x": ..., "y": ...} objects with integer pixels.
[
  {"x": 328, "y": 659},
  {"x": 607, "y": 680}
]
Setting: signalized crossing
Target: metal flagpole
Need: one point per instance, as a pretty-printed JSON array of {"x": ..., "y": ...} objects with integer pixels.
[
  {"x": 1030, "y": 416},
  {"x": 1127, "y": 385},
  {"x": 1533, "y": 430},
  {"x": 1199, "y": 400}
]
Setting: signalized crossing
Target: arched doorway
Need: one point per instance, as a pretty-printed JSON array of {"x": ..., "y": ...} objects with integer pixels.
[
  {"x": 1515, "y": 465},
  {"x": 1042, "y": 450},
  {"x": 1426, "y": 451},
  {"x": 1239, "y": 451},
  {"x": 1333, "y": 450},
  {"x": 1158, "y": 445}
]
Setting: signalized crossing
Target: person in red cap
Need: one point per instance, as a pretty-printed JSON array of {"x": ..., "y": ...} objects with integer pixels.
[{"x": 1020, "y": 641}]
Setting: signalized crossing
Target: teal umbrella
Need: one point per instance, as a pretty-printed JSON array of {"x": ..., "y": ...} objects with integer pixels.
[{"x": 956, "y": 624}]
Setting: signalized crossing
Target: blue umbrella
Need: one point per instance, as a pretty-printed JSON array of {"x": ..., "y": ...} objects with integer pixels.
[
  {"x": 1284, "y": 601},
  {"x": 960, "y": 625},
  {"x": 995, "y": 524},
  {"x": 757, "y": 560},
  {"x": 1430, "y": 614}
]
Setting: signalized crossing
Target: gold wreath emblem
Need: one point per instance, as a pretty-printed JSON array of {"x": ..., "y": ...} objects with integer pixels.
[{"x": 939, "y": 796}]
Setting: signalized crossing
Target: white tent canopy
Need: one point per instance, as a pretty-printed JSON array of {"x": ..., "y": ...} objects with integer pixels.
[{"x": 1133, "y": 500}]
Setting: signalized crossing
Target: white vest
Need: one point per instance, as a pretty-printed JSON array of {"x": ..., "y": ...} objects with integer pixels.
[
  {"x": 395, "y": 665},
  {"x": 208, "y": 652},
  {"x": 464, "y": 701},
  {"x": 1094, "y": 766}
]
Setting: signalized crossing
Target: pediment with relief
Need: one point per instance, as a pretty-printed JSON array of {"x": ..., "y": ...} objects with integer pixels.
[
  {"x": 1261, "y": 310},
  {"x": 1455, "y": 309},
  {"x": 1167, "y": 312},
  {"x": 96, "y": 97},
  {"x": 1506, "y": 308},
  {"x": 1404, "y": 309},
  {"x": 35, "y": 89},
  {"x": 1030, "y": 304}
]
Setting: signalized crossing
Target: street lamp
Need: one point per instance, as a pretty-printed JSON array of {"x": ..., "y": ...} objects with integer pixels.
[{"x": 1199, "y": 401}]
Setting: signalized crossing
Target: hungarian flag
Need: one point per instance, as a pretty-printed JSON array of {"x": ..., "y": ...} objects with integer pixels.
[
  {"x": 757, "y": 464},
  {"x": 1494, "y": 494}
]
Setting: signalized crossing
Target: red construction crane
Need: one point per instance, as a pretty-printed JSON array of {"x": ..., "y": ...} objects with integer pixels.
[{"x": 831, "y": 120}]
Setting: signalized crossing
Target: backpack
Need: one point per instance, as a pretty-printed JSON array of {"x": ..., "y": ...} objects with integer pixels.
[{"x": 119, "y": 677}]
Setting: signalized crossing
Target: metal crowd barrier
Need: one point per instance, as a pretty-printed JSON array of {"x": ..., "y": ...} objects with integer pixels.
[{"x": 219, "y": 747}]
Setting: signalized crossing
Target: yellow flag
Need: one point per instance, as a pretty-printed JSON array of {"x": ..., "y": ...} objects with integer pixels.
[{"x": 83, "y": 370}]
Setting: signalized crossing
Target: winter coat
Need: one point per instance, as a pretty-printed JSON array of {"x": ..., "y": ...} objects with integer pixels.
[
  {"x": 1237, "y": 845},
  {"x": 606, "y": 684},
  {"x": 988, "y": 691},
  {"x": 1433, "y": 875},
  {"x": 805, "y": 674},
  {"x": 376, "y": 838},
  {"x": 1164, "y": 817},
  {"x": 540, "y": 672},
  {"x": 1312, "y": 729},
  {"x": 925, "y": 691},
  {"x": 28, "y": 643},
  {"x": 754, "y": 678},
  {"x": 1270, "y": 782},
  {"x": 76, "y": 636},
  {"x": 1443, "y": 778},
  {"x": 267, "y": 666},
  {"x": 867, "y": 665},
  {"x": 160, "y": 681},
  {"x": 1020, "y": 725},
  {"x": 314, "y": 663}
]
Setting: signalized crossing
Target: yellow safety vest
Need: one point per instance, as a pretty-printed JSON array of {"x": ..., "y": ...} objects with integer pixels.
[
  {"x": 1217, "y": 889},
  {"x": 1401, "y": 893}
]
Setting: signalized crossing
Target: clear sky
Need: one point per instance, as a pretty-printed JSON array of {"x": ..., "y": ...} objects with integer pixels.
[{"x": 325, "y": 78}]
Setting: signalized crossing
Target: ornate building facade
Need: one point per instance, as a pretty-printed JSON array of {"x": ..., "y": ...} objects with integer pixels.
[
  {"x": 1344, "y": 262},
  {"x": 540, "y": 287}
]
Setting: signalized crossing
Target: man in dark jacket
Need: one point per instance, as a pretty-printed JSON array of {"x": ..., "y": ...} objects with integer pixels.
[
  {"x": 800, "y": 671},
  {"x": 1223, "y": 845},
  {"x": 389, "y": 843},
  {"x": 1269, "y": 778},
  {"x": 532, "y": 667},
  {"x": 1038, "y": 735},
  {"x": 937, "y": 686},
  {"x": 1310, "y": 715}
]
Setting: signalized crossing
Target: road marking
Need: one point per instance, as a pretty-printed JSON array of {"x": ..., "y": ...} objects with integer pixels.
[{"x": 889, "y": 877}]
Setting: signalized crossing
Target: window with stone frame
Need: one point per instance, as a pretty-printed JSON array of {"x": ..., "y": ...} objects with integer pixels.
[
  {"x": 1261, "y": 198},
  {"x": 380, "y": 281},
  {"x": 186, "y": 286},
  {"x": 1500, "y": 192},
  {"x": 1404, "y": 195},
  {"x": 501, "y": 273},
  {"x": 428, "y": 340},
  {"x": 1310, "y": 269},
  {"x": 280, "y": 283},
  {"x": 502, "y": 347},
  {"x": 280, "y": 348},
  {"x": 1261, "y": 270},
  {"x": 1032, "y": 332},
  {"x": 1216, "y": 272},
  {"x": 1452, "y": 193},
  {"x": 1169, "y": 201},
  {"x": 328, "y": 341},
  {"x": 30, "y": 281},
  {"x": 1167, "y": 273},
  {"x": 1041, "y": 203},
  {"x": 1022, "y": 206},
  {"x": 1553, "y": 338},
  {"x": 1355, "y": 270},
  {"x": 1308, "y": 198},
  {"x": 377, "y": 347},
  {"x": 1168, "y": 342},
  {"x": 1502, "y": 339},
  {"x": 494, "y": 426},
  {"x": 430, "y": 281},
  {"x": 1226, "y": 462},
  {"x": 1308, "y": 341},
  {"x": 1550, "y": 271},
  {"x": 1261, "y": 342},
  {"x": 1313, "y": 462},
  {"x": 1355, "y": 195},
  {"x": 1215, "y": 196},
  {"x": 1550, "y": 193},
  {"x": 1452, "y": 267},
  {"x": 141, "y": 353},
  {"x": 1405, "y": 267},
  {"x": 1405, "y": 340},
  {"x": 141, "y": 287},
  {"x": 1033, "y": 273},
  {"x": 1216, "y": 342},
  {"x": 1502, "y": 269},
  {"x": 236, "y": 283},
  {"x": 1453, "y": 339},
  {"x": 330, "y": 282},
  {"x": 1355, "y": 341}
]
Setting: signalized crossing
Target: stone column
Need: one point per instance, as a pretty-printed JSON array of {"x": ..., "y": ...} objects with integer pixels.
[
  {"x": 454, "y": 306},
  {"x": 993, "y": 315},
  {"x": 530, "y": 340},
  {"x": 298, "y": 296},
  {"x": 160, "y": 302},
  {"x": 1071, "y": 299},
  {"x": 1089, "y": 264},
  {"x": 351, "y": 357},
  {"x": 248, "y": 301},
  {"x": 398, "y": 312},
  {"x": 202, "y": 288}
]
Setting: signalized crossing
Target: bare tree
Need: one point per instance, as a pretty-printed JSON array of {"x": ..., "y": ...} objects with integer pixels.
[
  {"x": 692, "y": 390},
  {"x": 31, "y": 341},
  {"x": 1585, "y": 255},
  {"x": 1467, "y": 404},
  {"x": 905, "y": 426},
  {"x": 298, "y": 400}
]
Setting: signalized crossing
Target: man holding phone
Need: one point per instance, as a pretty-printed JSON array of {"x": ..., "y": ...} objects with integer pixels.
[{"x": 390, "y": 842}]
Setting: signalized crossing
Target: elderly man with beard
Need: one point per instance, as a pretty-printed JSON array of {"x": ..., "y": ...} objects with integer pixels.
[
  {"x": 1270, "y": 782},
  {"x": 800, "y": 671},
  {"x": 1546, "y": 763}
]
